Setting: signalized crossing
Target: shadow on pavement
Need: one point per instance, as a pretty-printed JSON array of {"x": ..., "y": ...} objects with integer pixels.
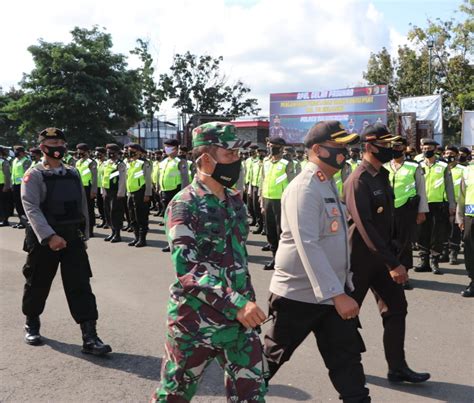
[
  {"x": 444, "y": 391},
  {"x": 289, "y": 392},
  {"x": 256, "y": 243},
  {"x": 438, "y": 285},
  {"x": 147, "y": 367},
  {"x": 259, "y": 259}
]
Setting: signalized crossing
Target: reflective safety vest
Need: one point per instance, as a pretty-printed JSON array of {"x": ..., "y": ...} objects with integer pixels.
[
  {"x": 353, "y": 164},
  {"x": 434, "y": 178},
  {"x": 2, "y": 176},
  {"x": 403, "y": 182},
  {"x": 110, "y": 174},
  {"x": 257, "y": 167},
  {"x": 100, "y": 171},
  {"x": 155, "y": 171},
  {"x": 469, "y": 182},
  {"x": 135, "y": 175},
  {"x": 170, "y": 176},
  {"x": 457, "y": 173},
  {"x": 275, "y": 180},
  {"x": 248, "y": 170},
  {"x": 18, "y": 171},
  {"x": 83, "y": 167},
  {"x": 338, "y": 180},
  {"x": 190, "y": 164},
  {"x": 303, "y": 163}
]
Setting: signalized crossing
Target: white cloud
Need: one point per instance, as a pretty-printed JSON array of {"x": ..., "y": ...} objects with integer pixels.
[{"x": 272, "y": 45}]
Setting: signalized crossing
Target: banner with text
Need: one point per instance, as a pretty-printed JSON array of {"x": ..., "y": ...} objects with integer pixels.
[
  {"x": 428, "y": 107},
  {"x": 292, "y": 114}
]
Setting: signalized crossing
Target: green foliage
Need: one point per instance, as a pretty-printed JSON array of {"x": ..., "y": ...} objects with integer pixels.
[{"x": 9, "y": 128}]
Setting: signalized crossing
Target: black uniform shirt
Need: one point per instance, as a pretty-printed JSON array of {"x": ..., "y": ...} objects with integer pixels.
[{"x": 369, "y": 200}]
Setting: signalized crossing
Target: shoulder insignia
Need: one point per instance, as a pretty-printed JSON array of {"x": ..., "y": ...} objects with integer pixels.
[{"x": 320, "y": 176}]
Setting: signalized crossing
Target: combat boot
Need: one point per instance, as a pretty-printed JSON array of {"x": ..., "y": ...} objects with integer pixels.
[
  {"x": 141, "y": 240},
  {"x": 134, "y": 242},
  {"x": 32, "y": 327},
  {"x": 424, "y": 266},
  {"x": 91, "y": 342},
  {"x": 116, "y": 238},
  {"x": 435, "y": 265},
  {"x": 270, "y": 265},
  {"x": 453, "y": 257},
  {"x": 469, "y": 291},
  {"x": 444, "y": 257},
  {"x": 107, "y": 239}
]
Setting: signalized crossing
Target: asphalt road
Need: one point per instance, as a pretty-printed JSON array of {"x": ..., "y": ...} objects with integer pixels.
[{"x": 131, "y": 287}]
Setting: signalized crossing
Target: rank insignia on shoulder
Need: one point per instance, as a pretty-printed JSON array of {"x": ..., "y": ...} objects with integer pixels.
[
  {"x": 334, "y": 226},
  {"x": 320, "y": 176},
  {"x": 380, "y": 210}
]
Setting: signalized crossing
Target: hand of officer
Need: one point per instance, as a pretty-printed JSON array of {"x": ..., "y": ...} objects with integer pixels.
[
  {"x": 346, "y": 306},
  {"x": 146, "y": 199},
  {"x": 461, "y": 226},
  {"x": 57, "y": 243},
  {"x": 250, "y": 315},
  {"x": 420, "y": 218},
  {"x": 399, "y": 274},
  {"x": 452, "y": 211},
  {"x": 93, "y": 195}
]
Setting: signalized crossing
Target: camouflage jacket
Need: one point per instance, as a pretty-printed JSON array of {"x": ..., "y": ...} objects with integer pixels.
[{"x": 207, "y": 237}]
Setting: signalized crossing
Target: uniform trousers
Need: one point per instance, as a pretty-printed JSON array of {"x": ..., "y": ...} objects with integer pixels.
[
  {"x": 17, "y": 200},
  {"x": 469, "y": 245},
  {"x": 5, "y": 203},
  {"x": 338, "y": 340},
  {"x": 41, "y": 267},
  {"x": 250, "y": 203},
  {"x": 272, "y": 215},
  {"x": 256, "y": 207},
  {"x": 434, "y": 231},
  {"x": 167, "y": 196},
  {"x": 113, "y": 208},
  {"x": 371, "y": 273},
  {"x": 139, "y": 210},
  {"x": 100, "y": 204},
  {"x": 455, "y": 236},
  {"x": 90, "y": 208},
  {"x": 405, "y": 227}
]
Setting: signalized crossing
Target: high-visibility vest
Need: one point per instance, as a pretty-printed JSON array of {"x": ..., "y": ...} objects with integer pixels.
[
  {"x": 170, "y": 176},
  {"x": 100, "y": 171},
  {"x": 403, "y": 182},
  {"x": 155, "y": 171},
  {"x": 18, "y": 171},
  {"x": 457, "y": 173},
  {"x": 248, "y": 170},
  {"x": 135, "y": 175},
  {"x": 434, "y": 178},
  {"x": 275, "y": 180},
  {"x": 338, "y": 180},
  {"x": 303, "y": 163},
  {"x": 83, "y": 167},
  {"x": 469, "y": 182},
  {"x": 256, "y": 168},
  {"x": 111, "y": 174},
  {"x": 190, "y": 176},
  {"x": 2, "y": 176},
  {"x": 353, "y": 164}
]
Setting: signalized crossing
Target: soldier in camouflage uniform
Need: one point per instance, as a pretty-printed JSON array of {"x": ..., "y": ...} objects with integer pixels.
[{"x": 212, "y": 312}]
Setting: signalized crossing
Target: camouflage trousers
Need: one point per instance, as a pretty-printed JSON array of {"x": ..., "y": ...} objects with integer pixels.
[{"x": 237, "y": 350}]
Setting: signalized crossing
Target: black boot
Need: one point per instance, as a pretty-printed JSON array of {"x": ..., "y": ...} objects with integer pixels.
[
  {"x": 434, "y": 265},
  {"x": 166, "y": 249},
  {"x": 101, "y": 225},
  {"x": 424, "y": 266},
  {"x": 107, "y": 239},
  {"x": 91, "y": 342},
  {"x": 141, "y": 240},
  {"x": 469, "y": 291},
  {"x": 258, "y": 230},
  {"x": 267, "y": 247},
  {"x": 116, "y": 238},
  {"x": 134, "y": 242},
  {"x": 32, "y": 327},
  {"x": 444, "y": 257},
  {"x": 4, "y": 223},
  {"x": 270, "y": 265},
  {"x": 405, "y": 374},
  {"x": 453, "y": 257}
]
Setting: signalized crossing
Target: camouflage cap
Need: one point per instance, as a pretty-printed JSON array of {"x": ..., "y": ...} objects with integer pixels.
[{"x": 221, "y": 134}]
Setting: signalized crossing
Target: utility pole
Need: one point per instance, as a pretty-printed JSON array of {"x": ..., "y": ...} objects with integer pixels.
[{"x": 430, "y": 45}]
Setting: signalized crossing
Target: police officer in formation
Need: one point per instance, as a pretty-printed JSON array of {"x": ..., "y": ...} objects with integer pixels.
[
  {"x": 6, "y": 201},
  {"x": 100, "y": 157},
  {"x": 56, "y": 207},
  {"x": 20, "y": 164}
]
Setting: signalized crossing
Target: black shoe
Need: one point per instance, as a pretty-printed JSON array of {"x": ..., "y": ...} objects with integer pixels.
[
  {"x": 130, "y": 229},
  {"x": 267, "y": 248},
  {"x": 434, "y": 265},
  {"x": 407, "y": 286},
  {"x": 407, "y": 375},
  {"x": 91, "y": 342},
  {"x": 257, "y": 231},
  {"x": 134, "y": 242},
  {"x": 424, "y": 266},
  {"x": 4, "y": 223},
  {"x": 270, "y": 265},
  {"x": 453, "y": 258},
  {"x": 91, "y": 235},
  {"x": 253, "y": 223},
  {"x": 107, "y": 239},
  {"x": 167, "y": 249},
  {"x": 141, "y": 240},
  {"x": 263, "y": 232},
  {"x": 469, "y": 291},
  {"x": 444, "y": 257},
  {"x": 19, "y": 226},
  {"x": 105, "y": 226},
  {"x": 101, "y": 225},
  {"x": 32, "y": 327},
  {"x": 116, "y": 238}
]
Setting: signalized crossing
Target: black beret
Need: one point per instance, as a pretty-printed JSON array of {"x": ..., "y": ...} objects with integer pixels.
[
  {"x": 134, "y": 146},
  {"x": 451, "y": 148},
  {"x": 329, "y": 130},
  {"x": 378, "y": 132},
  {"x": 51, "y": 133},
  {"x": 113, "y": 147},
  {"x": 254, "y": 147},
  {"x": 101, "y": 150},
  {"x": 82, "y": 147},
  {"x": 158, "y": 151},
  {"x": 277, "y": 140},
  {"x": 171, "y": 142},
  {"x": 184, "y": 149},
  {"x": 19, "y": 149},
  {"x": 35, "y": 150},
  {"x": 464, "y": 150},
  {"x": 428, "y": 142}
]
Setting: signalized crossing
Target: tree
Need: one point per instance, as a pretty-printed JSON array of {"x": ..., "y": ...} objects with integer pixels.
[
  {"x": 198, "y": 87},
  {"x": 82, "y": 87},
  {"x": 9, "y": 128}
]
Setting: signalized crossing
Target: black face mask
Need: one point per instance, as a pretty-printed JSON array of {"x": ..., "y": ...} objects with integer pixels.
[
  {"x": 183, "y": 157},
  {"x": 429, "y": 154},
  {"x": 462, "y": 158},
  {"x": 397, "y": 154},
  {"x": 132, "y": 154},
  {"x": 261, "y": 157},
  {"x": 275, "y": 150},
  {"x": 55, "y": 152},
  {"x": 227, "y": 174},
  {"x": 451, "y": 158},
  {"x": 384, "y": 155},
  {"x": 111, "y": 155},
  {"x": 354, "y": 157},
  {"x": 17, "y": 154},
  {"x": 332, "y": 160},
  {"x": 409, "y": 157}
]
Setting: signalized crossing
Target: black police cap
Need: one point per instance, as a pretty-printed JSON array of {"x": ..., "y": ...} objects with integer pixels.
[
  {"x": 101, "y": 150},
  {"x": 82, "y": 147},
  {"x": 277, "y": 141},
  {"x": 171, "y": 142},
  {"x": 378, "y": 132},
  {"x": 329, "y": 130},
  {"x": 112, "y": 147}
]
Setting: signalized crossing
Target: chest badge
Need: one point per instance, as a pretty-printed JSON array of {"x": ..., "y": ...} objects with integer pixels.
[
  {"x": 334, "y": 226},
  {"x": 380, "y": 210},
  {"x": 335, "y": 211},
  {"x": 320, "y": 176}
]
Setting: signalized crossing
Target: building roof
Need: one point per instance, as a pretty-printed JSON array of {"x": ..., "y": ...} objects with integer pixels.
[{"x": 251, "y": 124}]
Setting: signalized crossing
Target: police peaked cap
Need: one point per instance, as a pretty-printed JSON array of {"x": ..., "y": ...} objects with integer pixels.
[{"x": 51, "y": 133}]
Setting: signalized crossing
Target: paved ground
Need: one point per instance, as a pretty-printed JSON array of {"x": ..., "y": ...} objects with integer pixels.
[{"x": 131, "y": 287}]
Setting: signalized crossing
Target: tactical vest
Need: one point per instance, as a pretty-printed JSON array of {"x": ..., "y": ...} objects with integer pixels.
[
  {"x": 403, "y": 182},
  {"x": 2, "y": 175},
  {"x": 469, "y": 182},
  {"x": 434, "y": 178},
  {"x": 457, "y": 173},
  {"x": 84, "y": 170},
  {"x": 111, "y": 175},
  {"x": 135, "y": 175},
  {"x": 275, "y": 180},
  {"x": 170, "y": 176},
  {"x": 18, "y": 171},
  {"x": 62, "y": 206},
  {"x": 257, "y": 167}
]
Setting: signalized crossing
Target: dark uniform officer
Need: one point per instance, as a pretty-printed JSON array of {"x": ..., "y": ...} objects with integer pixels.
[
  {"x": 139, "y": 193},
  {"x": 20, "y": 164},
  {"x": 6, "y": 201},
  {"x": 100, "y": 153},
  {"x": 369, "y": 199},
  {"x": 56, "y": 207}
]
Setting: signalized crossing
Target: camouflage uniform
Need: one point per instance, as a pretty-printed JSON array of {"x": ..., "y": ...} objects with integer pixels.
[{"x": 207, "y": 238}]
